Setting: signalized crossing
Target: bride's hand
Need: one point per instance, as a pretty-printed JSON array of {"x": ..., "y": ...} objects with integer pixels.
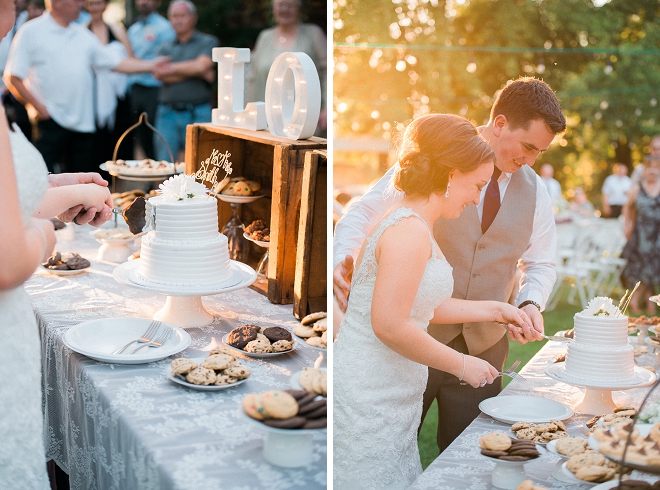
[
  {"x": 478, "y": 373},
  {"x": 518, "y": 324}
]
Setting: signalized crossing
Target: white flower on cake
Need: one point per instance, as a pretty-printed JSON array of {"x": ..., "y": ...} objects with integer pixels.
[
  {"x": 181, "y": 187},
  {"x": 601, "y": 306}
]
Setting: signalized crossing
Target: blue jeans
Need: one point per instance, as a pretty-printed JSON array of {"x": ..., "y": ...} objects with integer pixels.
[{"x": 171, "y": 123}]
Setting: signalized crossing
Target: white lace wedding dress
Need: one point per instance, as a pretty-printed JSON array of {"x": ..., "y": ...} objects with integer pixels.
[
  {"x": 22, "y": 454},
  {"x": 377, "y": 398}
]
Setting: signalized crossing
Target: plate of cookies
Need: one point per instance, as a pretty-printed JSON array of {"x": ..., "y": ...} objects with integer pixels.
[
  {"x": 313, "y": 330},
  {"x": 540, "y": 433},
  {"x": 66, "y": 264},
  {"x": 238, "y": 190},
  {"x": 642, "y": 453},
  {"x": 218, "y": 371},
  {"x": 567, "y": 447},
  {"x": 287, "y": 411},
  {"x": 256, "y": 341},
  {"x": 313, "y": 380}
]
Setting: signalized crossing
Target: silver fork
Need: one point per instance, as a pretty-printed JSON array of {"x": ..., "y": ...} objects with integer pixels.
[
  {"x": 145, "y": 337},
  {"x": 511, "y": 372},
  {"x": 557, "y": 338},
  {"x": 162, "y": 338}
]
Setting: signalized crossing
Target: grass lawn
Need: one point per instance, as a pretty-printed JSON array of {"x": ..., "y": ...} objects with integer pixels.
[{"x": 561, "y": 318}]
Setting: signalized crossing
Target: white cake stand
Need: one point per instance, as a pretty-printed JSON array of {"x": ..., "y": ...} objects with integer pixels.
[
  {"x": 184, "y": 307},
  {"x": 598, "y": 394}
]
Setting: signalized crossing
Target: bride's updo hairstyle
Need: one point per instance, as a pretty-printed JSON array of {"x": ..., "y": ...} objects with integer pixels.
[{"x": 433, "y": 145}]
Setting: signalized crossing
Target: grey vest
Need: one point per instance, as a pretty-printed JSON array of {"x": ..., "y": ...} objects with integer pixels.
[{"x": 485, "y": 263}]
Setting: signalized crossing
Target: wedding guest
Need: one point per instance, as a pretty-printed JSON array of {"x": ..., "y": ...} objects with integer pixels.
[
  {"x": 511, "y": 227},
  {"x": 551, "y": 184},
  {"x": 615, "y": 191},
  {"x": 642, "y": 229},
  {"x": 402, "y": 280},
  {"x": 654, "y": 151},
  {"x": 289, "y": 34},
  {"x": 146, "y": 35},
  {"x": 185, "y": 96},
  {"x": 580, "y": 204},
  {"x": 113, "y": 114},
  {"x": 35, "y": 8},
  {"x": 50, "y": 66}
]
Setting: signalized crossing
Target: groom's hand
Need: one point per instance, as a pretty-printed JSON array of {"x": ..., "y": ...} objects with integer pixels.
[
  {"x": 537, "y": 320},
  {"x": 341, "y": 278}
]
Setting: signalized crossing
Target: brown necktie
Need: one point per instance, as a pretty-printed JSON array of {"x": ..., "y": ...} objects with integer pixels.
[{"x": 491, "y": 201}]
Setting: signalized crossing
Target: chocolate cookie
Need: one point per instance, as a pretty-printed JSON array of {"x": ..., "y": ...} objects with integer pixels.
[
  {"x": 76, "y": 263},
  {"x": 134, "y": 215},
  {"x": 316, "y": 423},
  {"x": 277, "y": 333},
  {"x": 493, "y": 454},
  {"x": 309, "y": 407},
  {"x": 240, "y": 336},
  {"x": 319, "y": 412},
  {"x": 297, "y": 394},
  {"x": 290, "y": 423}
]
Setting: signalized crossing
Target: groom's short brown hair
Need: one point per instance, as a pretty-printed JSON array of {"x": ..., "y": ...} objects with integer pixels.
[{"x": 527, "y": 99}]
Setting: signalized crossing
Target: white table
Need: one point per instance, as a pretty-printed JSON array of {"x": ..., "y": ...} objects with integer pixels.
[
  {"x": 461, "y": 466},
  {"x": 129, "y": 427}
]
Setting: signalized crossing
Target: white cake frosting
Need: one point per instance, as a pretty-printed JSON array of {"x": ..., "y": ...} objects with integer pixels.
[
  {"x": 185, "y": 247},
  {"x": 600, "y": 351}
]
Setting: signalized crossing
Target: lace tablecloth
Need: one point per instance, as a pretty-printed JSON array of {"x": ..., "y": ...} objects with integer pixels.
[
  {"x": 462, "y": 467},
  {"x": 112, "y": 426}
]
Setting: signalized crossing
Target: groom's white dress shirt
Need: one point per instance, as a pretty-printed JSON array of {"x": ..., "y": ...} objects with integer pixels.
[{"x": 537, "y": 264}]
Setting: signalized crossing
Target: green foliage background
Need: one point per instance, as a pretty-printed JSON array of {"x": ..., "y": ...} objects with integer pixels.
[{"x": 396, "y": 59}]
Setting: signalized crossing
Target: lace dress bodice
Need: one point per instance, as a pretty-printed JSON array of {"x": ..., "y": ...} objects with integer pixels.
[
  {"x": 22, "y": 454},
  {"x": 377, "y": 392}
]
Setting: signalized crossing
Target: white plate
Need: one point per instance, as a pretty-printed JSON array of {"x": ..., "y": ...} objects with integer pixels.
[
  {"x": 238, "y": 199},
  {"x": 258, "y": 242},
  {"x": 295, "y": 380},
  {"x": 304, "y": 341},
  {"x": 98, "y": 339},
  {"x": 572, "y": 478},
  {"x": 69, "y": 272},
  {"x": 517, "y": 408},
  {"x": 134, "y": 173},
  {"x": 180, "y": 379},
  {"x": 252, "y": 354}
]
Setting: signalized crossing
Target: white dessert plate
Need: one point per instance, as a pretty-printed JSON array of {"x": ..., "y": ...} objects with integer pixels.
[
  {"x": 127, "y": 238},
  {"x": 181, "y": 379},
  {"x": 655, "y": 299},
  {"x": 304, "y": 341},
  {"x": 295, "y": 380},
  {"x": 242, "y": 276},
  {"x": 608, "y": 484},
  {"x": 258, "y": 242},
  {"x": 253, "y": 354},
  {"x": 69, "y": 272},
  {"x": 652, "y": 342},
  {"x": 238, "y": 199},
  {"x": 99, "y": 339},
  {"x": 521, "y": 408},
  {"x": 643, "y": 377},
  {"x": 504, "y": 462},
  {"x": 572, "y": 478}
]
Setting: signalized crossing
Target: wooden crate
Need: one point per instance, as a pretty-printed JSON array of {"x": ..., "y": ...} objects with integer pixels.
[
  {"x": 310, "y": 286},
  {"x": 277, "y": 164}
]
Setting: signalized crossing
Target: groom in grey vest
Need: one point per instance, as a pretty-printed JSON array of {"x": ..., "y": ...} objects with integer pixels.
[{"x": 512, "y": 229}]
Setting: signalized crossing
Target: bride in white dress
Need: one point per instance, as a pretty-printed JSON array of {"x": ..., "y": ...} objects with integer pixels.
[
  {"x": 27, "y": 239},
  {"x": 401, "y": 283}
]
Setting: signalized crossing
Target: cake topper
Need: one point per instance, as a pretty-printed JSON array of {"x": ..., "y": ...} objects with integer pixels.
[{"x": 209, "y": 168}]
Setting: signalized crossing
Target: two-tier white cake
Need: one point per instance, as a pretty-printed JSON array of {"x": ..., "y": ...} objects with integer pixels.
[
  {"x": 600, "y": 351},
  {"x": 184, "y": 248}
]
